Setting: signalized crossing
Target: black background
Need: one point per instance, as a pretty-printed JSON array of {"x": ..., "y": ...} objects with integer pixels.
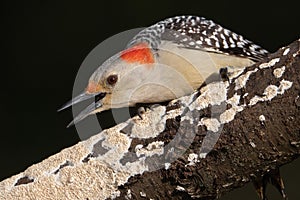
[{"x": 45, "y": 43}]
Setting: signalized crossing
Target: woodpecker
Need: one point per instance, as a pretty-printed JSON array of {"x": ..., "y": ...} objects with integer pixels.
[{"x": 169, "y": 59}]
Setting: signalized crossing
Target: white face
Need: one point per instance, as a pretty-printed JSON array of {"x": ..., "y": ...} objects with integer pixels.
[{"x": 148, "y": 84}]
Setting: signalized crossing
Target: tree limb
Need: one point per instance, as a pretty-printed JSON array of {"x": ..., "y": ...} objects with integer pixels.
[{"x": 253, "y": 116}]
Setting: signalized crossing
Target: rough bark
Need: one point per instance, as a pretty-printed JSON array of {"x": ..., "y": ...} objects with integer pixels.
[{"x": 253, "y": 115}]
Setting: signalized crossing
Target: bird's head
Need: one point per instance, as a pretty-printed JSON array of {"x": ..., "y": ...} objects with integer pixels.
[{"x": 114, "y": 82}]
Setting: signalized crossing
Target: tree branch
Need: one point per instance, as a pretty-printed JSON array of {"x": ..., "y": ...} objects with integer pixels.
[{"x": 200, "y": 146}]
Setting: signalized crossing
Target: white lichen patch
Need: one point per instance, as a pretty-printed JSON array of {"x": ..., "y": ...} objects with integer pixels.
[
  {"x": 152, "y": 149},
  {"x": 117, "y": 143},
  {"x": 193, "y": 159},
  {"x": 151, "y": 125},
  {"x": 235, "y": 100},
  {"x": 187, "y": 118},
  {"x": 202, "y": 155},
  {"x": 227, "y": 185},
  {"x": 138, "y": 147},
  {"x": 270, "y": 92},
  {"x": 262, "y": 118},
  {"x": 179, "y": 188},
  {"x": 212, "y": 124},
  {"x": 245, "y": 95},
  {"x": 252, "y": 144},
  {"x": 286, "y": 51},
  {"x": 143, "y": 194},
  {"x": 171, "y": 114},
  {"x": 269, "y": 64},
  {"x": 167, "y": 166},
  {"x": 211, "y": 94},
  {"x": 295, "y": 143},
  {"x": 155, "y": 145},
  {"x": 184, "y": 101},
  {"x": 241, "y": 81},
  {"x": 278, "y": 72},
  {"x": 228, "y": 115},
  {"x": 131, "y": 168},
  {"x": 128, "y": 195},
  {"x": 284, "y": 85},
  {"x": 103, "y": 135},
  {"x": 116, "y": 140},
  {"x": 94, "y": 179},
  {"x": 255, "y": 100}
]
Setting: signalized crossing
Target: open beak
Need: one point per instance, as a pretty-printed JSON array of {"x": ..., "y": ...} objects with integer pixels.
[{"x": 88, "y": 110}]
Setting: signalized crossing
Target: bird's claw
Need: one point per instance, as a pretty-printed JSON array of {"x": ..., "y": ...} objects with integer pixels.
[
  {"x": 141, "y": 111},
  {"x": 273, "y": 177}
]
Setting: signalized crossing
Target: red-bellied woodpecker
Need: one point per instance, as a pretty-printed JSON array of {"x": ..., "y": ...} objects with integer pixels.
[{"x": 169, "y": 59}]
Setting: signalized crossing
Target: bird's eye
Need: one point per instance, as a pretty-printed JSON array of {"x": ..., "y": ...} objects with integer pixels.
[{"x": 112, "y": 79}]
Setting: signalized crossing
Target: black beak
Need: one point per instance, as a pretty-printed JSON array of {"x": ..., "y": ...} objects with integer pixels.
[{"x": 88, "y": 110}]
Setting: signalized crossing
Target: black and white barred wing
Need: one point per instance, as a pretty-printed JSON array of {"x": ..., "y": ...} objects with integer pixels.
[{"x": 199, "y": 33}]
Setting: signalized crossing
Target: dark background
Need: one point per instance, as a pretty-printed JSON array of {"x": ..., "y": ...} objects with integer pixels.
[{"x": 45, "y": 43}]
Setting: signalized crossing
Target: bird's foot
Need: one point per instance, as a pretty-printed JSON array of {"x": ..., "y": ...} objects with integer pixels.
[{"x": 273, "y": 177}]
